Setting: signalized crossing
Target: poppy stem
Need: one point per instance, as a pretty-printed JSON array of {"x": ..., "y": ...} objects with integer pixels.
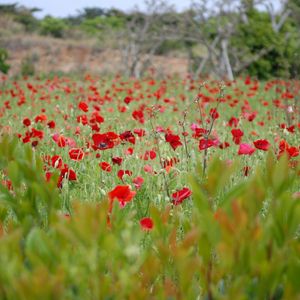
[
  {"x": 212, "y": 123},
  {"x": 156, "y": 139},
  {"x": 208, "y": 281},
  {"x": 182, "y": 124}
]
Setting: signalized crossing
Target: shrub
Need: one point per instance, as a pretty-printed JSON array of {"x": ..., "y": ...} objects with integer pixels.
[
  {"x": 52, "y": 26},
  {"x": 4, "y": 66},
  {"x": 281, "y": 48},
  {"x": 27, "y": 66}
]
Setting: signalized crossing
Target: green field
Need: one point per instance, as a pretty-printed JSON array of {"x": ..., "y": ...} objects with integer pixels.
[{"x": 116, "y": 188}]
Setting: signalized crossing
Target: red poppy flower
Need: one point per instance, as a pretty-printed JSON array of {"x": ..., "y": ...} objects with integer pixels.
[
  {"x": 214, "y": 113},
  {"x": 250, "y": 116},
  {"x": 104, "y": 141},
  {"x": 96, "y": 118},
  {"x": 128, "y": 99},
  {"x": 68, "y": 174},
  {"x": 121, "y": 173},
  {"x": 146, "y": 224},
  {"x": 48, "y": 176},
  {"x": 199, "y": 132},
  {"x": 159, "y": 129},
  {"x": 237, "y": 135},
  {"x": 140, "y": 132},
  {"x": 224, "y": 145},
  {"x": 293, "y": 151},
  {"x": 34, "y": 143},
  {"x": 233, "y": 122},
  {"x": 122, "y": 108},
  {"x": 59, "y": 140},
  {"x": 122, "y": 193},
  {"x": 139, "y": 116},
  {"x": 40, "y": 118},
  {"x": 51, "y": 124},
  {"x": 291, "y": 129},
  {"x": 7, "y": 183},
  {"x": 170, "y": 162},
  {"x": 37, "y": 133},
  {"x": 56, "y": 161},
  {"x": 105, "y": 166},
  {"x": 245, "y": 149},
  {"x": 138, "y": 181},
  {"x": 247, "y": 80},
  {"x": 83, "y": 106},
  {"x": 148, "y": 169},
  {"x": 149, "y": 155},
  {"x": 128, "y": 136},
  {"x": 179, "y": 196},
  {"x": 70, "y": 142},
  {"x": 129, "y": 151},
  {"x": 95, "y": 127},
  {"x": 262, "y": 145},
  {"x": 26, "y": 122},
  {"x": 173, "y": 140},
  {"x": 207, "y": 143},
  {"x": 117, "y": 160},
  {"x": 82, "y": 119},
  {"x": 284, "y": 147},
  {"x": 76, "y": 154}
]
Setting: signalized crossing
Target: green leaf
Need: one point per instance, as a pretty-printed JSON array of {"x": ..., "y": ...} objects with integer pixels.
[{"x": 14, "y": 174}]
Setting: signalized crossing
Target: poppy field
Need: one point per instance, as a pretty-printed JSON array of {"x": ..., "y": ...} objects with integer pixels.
[{"x": 115, "y": 188}]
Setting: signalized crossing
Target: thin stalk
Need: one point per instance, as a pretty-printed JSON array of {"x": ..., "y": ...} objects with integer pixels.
[
  {"x": 209, "y": 130},
  {"x": 183, "y": 125},
  {"x": 208, "y": 281},
  {"x": 187, "y": 154},
  {"x": 156, "y": 138}
]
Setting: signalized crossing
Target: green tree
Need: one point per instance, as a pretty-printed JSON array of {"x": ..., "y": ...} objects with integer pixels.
[
  {"x": 53, "y": 26},
  {"x": 25, "y": 17},
  {"x": 98, "y": 24},
  {"x": 22, "y": 15},
  {"x": 294, "y": 6},
  {"x": 277, "y": 50}
]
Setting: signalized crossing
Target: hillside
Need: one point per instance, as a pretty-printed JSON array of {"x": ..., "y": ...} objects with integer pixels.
[{"x": 49, "y": 54}]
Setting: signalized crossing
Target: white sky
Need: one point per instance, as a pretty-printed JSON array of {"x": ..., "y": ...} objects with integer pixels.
[{"x": 63, "y": 8}]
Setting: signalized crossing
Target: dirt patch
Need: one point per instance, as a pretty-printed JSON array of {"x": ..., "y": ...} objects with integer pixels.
[{"x": 54, "y": 55}]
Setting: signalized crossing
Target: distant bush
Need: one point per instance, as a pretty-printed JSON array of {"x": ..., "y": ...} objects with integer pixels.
[
  {"x": 27, "y": 66},
  {"x": 53, "y": 26},
  {"x": 22, "y": 15},
  {"x": 4, "y": 66},
  {"x": 28, "y": 21},
  {"x": 169, "y": 46},
  {"x": 98, "y": 24}
]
